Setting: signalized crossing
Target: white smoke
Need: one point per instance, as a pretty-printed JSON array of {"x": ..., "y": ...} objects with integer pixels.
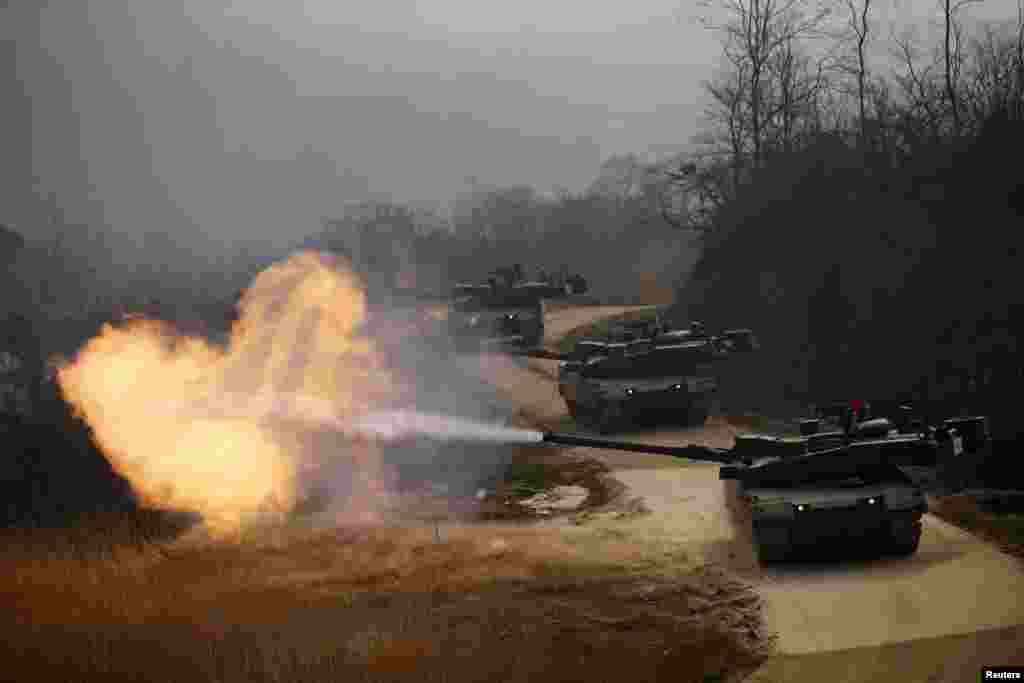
[{"x": 401, "y": 424}]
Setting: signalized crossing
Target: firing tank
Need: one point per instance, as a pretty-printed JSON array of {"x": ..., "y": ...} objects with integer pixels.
[
  {"x": 797, "y": 492},
  {"x": 858, "y": 483},
  {"x": 853, "y": 483},
  {"x": 850, "y": 492},
  {"x": 646, "y": 369},
  {"x": 853, "y": 493}
]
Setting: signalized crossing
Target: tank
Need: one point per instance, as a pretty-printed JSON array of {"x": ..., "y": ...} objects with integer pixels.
[
  {"x": 496, "y": 318},
  {"x": 643, "y": 371},
  {"x": 506, "y": 312},
  {"x": 820, "y": 486},
  {"x": 849, "y": 494}
]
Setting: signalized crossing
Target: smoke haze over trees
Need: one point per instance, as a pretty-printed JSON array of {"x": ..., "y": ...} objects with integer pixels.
[{"x": 612, "y": 234}]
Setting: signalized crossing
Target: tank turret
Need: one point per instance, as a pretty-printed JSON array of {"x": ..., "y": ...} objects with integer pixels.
[{"x": 643, "y": 370}]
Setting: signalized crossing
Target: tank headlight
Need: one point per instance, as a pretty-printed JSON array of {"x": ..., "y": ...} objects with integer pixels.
[
  {"x": 677, "y": 387},
  {"x": 629, "y": 391},
  {"x": 801, "y": 508},
  {"x": 872, "y": 501}
]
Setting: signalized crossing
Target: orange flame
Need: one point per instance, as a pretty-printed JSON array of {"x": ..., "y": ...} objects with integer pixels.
[{"x": 195, "y": 426}]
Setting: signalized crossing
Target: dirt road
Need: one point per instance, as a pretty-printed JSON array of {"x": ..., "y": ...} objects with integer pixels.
[{"x": 937, "y": 616}]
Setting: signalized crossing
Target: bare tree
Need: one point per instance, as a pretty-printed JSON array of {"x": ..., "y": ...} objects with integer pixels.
[
  {"x": 728, "y": 115},
  {"x": 1019, "y": 63},
  {"x": 880, "y": 92},
  {"x": 920, "y": 88},
  {"x": 754, "y": 32},
  {"x": 952, "y": 55},
  {"x": 795, "y": 82},
  {"x": 990, "y": 84},
  {"x": 858, "y": 23},
  {"x": 995, "y": 69}
]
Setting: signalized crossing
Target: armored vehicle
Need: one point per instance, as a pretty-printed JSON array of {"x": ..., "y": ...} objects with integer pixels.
[
  {"x": 847, "y": 493},
  {"x": 497, "y": 317},
  {"x": 850, "y": 493},
  {"x": 852, "y": 484},
  {"x": 607, "y": 384},
  {"x": 506, "y": 312}
]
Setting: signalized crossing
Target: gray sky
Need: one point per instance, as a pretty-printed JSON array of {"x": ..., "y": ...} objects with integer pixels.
[{"x": 252, "y": 118}]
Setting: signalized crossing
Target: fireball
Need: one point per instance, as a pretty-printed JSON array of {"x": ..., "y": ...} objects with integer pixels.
[{"x": 197, "y": 427}]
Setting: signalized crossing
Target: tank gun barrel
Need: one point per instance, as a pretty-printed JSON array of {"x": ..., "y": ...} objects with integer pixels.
[{"x": 690, "y": 452}]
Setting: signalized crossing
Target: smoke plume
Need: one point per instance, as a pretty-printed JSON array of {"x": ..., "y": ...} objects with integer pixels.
[{"x": 299, "y": 399}]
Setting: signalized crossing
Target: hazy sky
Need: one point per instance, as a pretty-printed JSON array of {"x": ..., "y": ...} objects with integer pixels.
[{"x": 253, "y": 118}]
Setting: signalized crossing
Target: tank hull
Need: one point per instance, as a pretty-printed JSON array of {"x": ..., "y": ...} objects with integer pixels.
[
  {"x": 608, "y": 410},
  {"x": 884, "y": 518}
]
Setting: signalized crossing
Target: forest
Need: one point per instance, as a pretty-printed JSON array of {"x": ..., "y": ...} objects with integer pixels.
[{"x": 866, "y": 221}]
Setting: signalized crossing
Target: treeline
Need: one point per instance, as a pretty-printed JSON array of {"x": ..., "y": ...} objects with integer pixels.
[
  {"x": 865, "y": 223},
  {"x": 612, "y": 234}
]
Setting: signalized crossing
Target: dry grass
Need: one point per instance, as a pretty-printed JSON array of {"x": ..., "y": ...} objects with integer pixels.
[
  {"x": 380, "y": 604},
  {"x": 1004, "y": 529},
  {"x": 117, "y": 600}
]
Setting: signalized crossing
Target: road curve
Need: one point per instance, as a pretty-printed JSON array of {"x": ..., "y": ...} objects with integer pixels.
[{"x": 953, "y": 592}]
